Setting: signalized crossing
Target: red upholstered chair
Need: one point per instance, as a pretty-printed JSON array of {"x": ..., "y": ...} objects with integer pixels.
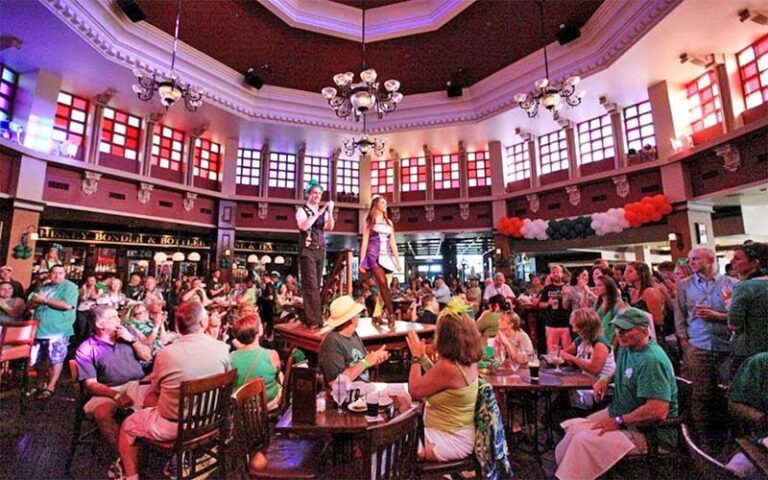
[
  {"x": 204, "y": 407},
  {"x": 263, "y": 457},
  {"x": 16, "y": 344}
]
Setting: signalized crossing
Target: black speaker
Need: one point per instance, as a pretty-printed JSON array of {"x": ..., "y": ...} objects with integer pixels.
[
  {"x": 132, "y": 10},
  {"x": 253, "y": 80},
  {"x": 567, "y": 33},
  {"x": 453, "y": 89}
]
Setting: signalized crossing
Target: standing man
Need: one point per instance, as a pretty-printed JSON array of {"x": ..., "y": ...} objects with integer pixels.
[
  {"x": 701, "y": 320},
  {"x": 313, "y": 221},
  {"x": 441, "y": 292},
  {"x": 6, "y": 274},
  {"x": 55, "y": 304}
]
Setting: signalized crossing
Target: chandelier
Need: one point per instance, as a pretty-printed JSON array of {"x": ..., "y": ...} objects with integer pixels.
[
  {"x": 357, "y": 98},
  {"x": 168, "y": 85},
  {"x": 365, "y": 144},
  {"x": 547, "y": 94}
]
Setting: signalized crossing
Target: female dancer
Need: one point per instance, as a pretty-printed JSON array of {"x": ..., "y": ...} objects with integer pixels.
[{"x": 378, "y": 251}]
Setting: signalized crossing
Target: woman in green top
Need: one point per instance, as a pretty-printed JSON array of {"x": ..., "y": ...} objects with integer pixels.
[
  {"x": 252, "y": 361},
  {"x": 748, "y": 312},
  {"x": 450, "y": 386},
  {"x": 488, "y": 323},
  {"x": 608, "y": 303}
]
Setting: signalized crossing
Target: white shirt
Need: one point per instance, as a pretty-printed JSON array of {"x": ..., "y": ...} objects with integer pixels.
[
  {"x": 504, "y": 291},
  {"x": 301, "y": 215}
]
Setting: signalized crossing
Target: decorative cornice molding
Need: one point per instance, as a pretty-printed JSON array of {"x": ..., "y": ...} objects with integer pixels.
[
  {"x": 382, "y": 23},
  {"x": 614, "y": 28}
]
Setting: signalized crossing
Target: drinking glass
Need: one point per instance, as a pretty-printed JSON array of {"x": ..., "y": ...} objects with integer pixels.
[
  {"x": 514, "y": 364},
  {"x": 555, "y": 358},
  {"x": 501, "y": 352}
]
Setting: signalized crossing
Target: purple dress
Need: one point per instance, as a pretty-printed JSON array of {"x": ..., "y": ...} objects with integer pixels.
[{"x": 375, "y": 256}]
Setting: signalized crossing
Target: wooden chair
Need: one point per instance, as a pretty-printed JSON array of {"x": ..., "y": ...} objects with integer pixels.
[
  {"x": 390, "y": 449},
  {"x": 706, "y": 466},
  {"x": 91, "y": 434},
  {"x": 16, "y": 342},
  {"x": 286, "y": 394},
  {"x": 204, "y": 407},
  {"x": 258, "y": 455}
]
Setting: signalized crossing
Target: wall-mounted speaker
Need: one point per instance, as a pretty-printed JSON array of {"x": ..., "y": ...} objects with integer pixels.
[
  {"x": 453, "y": 89},
  {"x": 567, "y": 33},
  {"x": 254, "y": 80}
]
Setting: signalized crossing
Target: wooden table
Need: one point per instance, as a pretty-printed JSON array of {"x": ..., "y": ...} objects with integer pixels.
[
  {"x": 756, "y": 453},
  {"x": 519, "y": 384},
  {"x": 344, "y": 426},
  {"x": 300, "y": 336}
]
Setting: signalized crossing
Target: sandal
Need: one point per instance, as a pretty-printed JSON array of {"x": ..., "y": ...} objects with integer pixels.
[{"x": 44, "y": 394}]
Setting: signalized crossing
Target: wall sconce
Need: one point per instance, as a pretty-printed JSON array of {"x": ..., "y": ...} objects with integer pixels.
[
  {"x": 194, "y": 257},
  {"x": 279, "y": 260},
  {"x": 178, "y": 257},
  {"x": 160, "y": 257},
  {"x": 227, "y": 253},
  {"x": 498, "y": 251},
  {"x": 29, "y": 235},
  {"x": 675, "y": 239},
  {"x": 266, "y": 259},
  {"x": 253, "y": 258}
]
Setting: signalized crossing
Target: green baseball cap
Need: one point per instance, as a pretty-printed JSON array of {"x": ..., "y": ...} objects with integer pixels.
[{"x": 630, "y": 318}]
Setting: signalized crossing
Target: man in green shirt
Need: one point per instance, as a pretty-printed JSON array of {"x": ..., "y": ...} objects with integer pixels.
[
  {"x": 55, "y": 304},
  {"x": 645, "y": 392}
]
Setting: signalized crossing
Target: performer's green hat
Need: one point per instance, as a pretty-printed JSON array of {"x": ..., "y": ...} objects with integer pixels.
[{"x": 312, "y": 184}]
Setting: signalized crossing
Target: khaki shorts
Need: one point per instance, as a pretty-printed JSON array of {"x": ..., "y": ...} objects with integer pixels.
[
  {"x": 132, "y": 389},
  {"x": 148, "y": 423}
]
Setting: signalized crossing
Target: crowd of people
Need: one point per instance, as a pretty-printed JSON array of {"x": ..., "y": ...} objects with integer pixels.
[{"x": 626, "y": 325}]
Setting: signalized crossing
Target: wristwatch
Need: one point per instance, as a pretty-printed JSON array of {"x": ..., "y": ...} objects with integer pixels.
[{"x": 619, "y": 421}]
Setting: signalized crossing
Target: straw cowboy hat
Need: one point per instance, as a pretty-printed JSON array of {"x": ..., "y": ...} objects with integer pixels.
[{"x": 343, "y": 309}]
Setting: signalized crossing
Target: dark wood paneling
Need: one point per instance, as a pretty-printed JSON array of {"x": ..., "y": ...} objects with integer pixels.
[
  {"x": 119, "y": 163},
  {"x": 447, "y": 217}
]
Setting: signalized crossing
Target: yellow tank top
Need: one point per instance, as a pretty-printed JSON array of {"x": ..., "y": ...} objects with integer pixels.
[{"x": 452, "y": 409}]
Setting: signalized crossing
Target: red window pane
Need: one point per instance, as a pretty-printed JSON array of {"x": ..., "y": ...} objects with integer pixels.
[
  {"x": 704, "y": 102},
  {"x": 478, "y": 169},
  {"x": 170, "y": 156},
  {"x": 207, "y": 160},
  {"x": 413, "y": 174},
  {"x": 753, "y": 70},
  {"x": 70, "y": 123},
  {"x": 382, "y": 176},
  {"x": 120, "y": 133},
  {"x": 446, "y": 171}
]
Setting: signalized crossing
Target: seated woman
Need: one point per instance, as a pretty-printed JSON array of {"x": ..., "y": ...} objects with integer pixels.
[
  {"x": 252, "y": 360},
  {"x": 450, "y": 386},
  {"x": 590, "y": 352},
  {"x": 150, "y": 327},
  {"x": 488, "y": 323},
  {"x": 511, "y": 335},
  {"x": 114, "y": 296}
]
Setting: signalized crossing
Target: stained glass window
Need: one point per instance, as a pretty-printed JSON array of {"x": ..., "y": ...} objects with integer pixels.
[
  {"x": 167, "y": 148},
  {"x": 413, "y": 174},
  {"x": 553, "y": 152},
  {"x": 638, "y": 123},
  {"x": 207, "y": 159},
  {"x": 248, "y": 168},
  {"x": 120, "y": 134},
  {"x": 282, "y": 170},
  {"x": 317, "y": 168},
  {"x": 518, "y": 164},
  {"x": 9, "y": 80},
  {"x": 704, "y": 106},
  {"x": 478, "y": 169},
  {"x": 446, "y": 168},
  {"x": 348, "y": 176},
  {"x": 70, "y": 122},
  {"x": 753, "y": 68},
  {"x": 596, "y": 141},
  {"x": 382, "y": 176}
]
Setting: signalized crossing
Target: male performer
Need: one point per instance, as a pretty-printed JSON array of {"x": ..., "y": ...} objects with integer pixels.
[{"x": 312, "y": 221}]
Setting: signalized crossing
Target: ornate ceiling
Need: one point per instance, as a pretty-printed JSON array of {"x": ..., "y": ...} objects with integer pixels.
[{"x": 484, "y": 38}]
